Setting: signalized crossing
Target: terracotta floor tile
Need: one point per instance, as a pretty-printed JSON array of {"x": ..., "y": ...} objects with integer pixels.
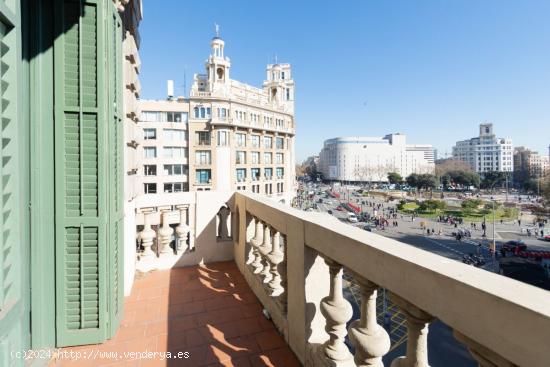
[
  {"x": 268, "y": 340},
  {"x": 207, "y": 311}
]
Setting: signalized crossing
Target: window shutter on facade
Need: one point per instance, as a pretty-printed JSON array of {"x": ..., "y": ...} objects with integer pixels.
[
  {"x": 14, "y": 268},
  {"x": 88, "y": 178}
]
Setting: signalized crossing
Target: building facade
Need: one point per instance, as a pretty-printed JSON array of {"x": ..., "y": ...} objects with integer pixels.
[
  {"x": 69, "y": 74},
  {"x": 164, "y": 146},
  {"x": 486, "y": 152},
  {"x": 370, "y": 159},
  {"x": 242, "y": 137},
  {"x": 531, "y": 163}
]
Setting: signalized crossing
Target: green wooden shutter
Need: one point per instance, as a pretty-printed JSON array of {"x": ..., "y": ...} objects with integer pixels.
[
  {"x": 81, "y": 176},
  {"x": 116, "y": 281},
  {"x": 14, "y": 263}
]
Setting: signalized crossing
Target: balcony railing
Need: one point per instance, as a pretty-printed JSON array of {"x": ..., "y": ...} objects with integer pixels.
[{"x": 294, "y": 262}]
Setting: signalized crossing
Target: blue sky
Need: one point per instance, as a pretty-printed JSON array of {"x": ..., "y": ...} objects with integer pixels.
[{"x": 433, "y": 69}]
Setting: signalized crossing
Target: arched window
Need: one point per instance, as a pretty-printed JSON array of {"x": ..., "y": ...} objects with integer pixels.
[
  {"x": 203, "y": 112},
  {"x": 196, "y": 112}
]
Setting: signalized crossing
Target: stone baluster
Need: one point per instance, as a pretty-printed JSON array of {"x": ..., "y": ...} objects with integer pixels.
[
  {"x": 483, "y": 355},
  {"x": 182, "y": 230},
  {"x": 256, "y": 242},
  {"x": 147, "y": 236},
  {"x": 418, "y": 322},
  {"x": 276, "y": 257},
  {"x": 265, "y": 248},
  {"x": 223, "y": 230},
  {"x": 337, "y": 312},
  {"x": 370, "y": 340},
  {"x": 165, "y": 236},
  {"x": 282, "y": 299}
]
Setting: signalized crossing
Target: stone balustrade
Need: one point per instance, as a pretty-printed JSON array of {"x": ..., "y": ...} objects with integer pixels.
[{"x": 294, "y": 262}]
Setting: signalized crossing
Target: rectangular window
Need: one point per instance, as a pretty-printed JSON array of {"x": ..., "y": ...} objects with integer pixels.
[
  {"x": 280, "y": 173},
  {"x": 150, "y": 170},
  {"x": 255, "y": 157},
  {"x": 203, "y": 138},
  {"x": 280, "y": 143},
  {"x": 268, "y": 173},
  {"x": 267, "y": 158},
  {"x": 241, "y": 157},
  {"x": 175, "y": 169},
  {"x": 255, "y": 141},
  {"x": 255, "y": 174},
  {"x": 222, "y": 113},
  {"x": 149, "y": 134},
  {"x": 174, "y": 152},
  {"x": 280, "y": 158},
  {"x": 176, "y": 116},
  {"x": 174, "y": 134},
  {"x": 240, "y": 140},
  {"x": 203, "y": 157},
  {"x": 223, "y": 138},
  {"x": 241, "y": 174},
  {"x": 149, "y": 152},
  {"x": 150, "y": 188},
  {"x": 202, "y": 176},
  {"x": 150, "y": 116},
  {"x": 268, "y": 142},
  {"x": 174, "y": 187}
]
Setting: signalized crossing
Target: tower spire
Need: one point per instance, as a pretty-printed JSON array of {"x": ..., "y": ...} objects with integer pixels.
[{"x": 217, "y": 27}]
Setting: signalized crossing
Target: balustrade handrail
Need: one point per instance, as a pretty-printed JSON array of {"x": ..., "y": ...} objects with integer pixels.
[{"x": 510, "y": 318}]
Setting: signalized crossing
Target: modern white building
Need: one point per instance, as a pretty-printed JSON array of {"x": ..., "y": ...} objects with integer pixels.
[
  {"x": 163, "y": 149},
  {"x": 362, "y": 159},
  {"x": 486, "y": 152}
]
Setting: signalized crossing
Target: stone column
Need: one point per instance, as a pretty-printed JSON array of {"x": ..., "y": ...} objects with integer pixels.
[
  {"x": 276, "y": 257},
  {"x": 418, "y": 322},
  {"x": 147, "y": 236},
  {"x": 256, "y": 242},
  {"x": 337, "y": 312},
  {"x": 483, "y": 355},
  {"x": 370, "y": 340},
  {"x": 165, "y": 236},
  {"x": 265, "y": 249},
  {"x": 182, "y": 230}
]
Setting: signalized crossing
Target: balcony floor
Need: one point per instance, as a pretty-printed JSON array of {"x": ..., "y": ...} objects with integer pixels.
[{"x": 208, "y": 311}]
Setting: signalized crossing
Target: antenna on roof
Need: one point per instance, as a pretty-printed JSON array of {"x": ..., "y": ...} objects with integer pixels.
[
  {"x": 276, "y": 60},
  {"x": 217, "y": 26}
]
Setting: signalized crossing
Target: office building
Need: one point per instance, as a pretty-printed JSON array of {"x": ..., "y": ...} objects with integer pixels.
[
  {"x": 532, "y": 163},
  {"x": 370, "y": 159},
  {"x": 486, "y": 152}
]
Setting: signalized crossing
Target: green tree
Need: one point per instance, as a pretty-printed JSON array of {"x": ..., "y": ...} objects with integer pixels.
[
  {"x": 492, "y": 179},
  {"x": 395, "y": 178},
  {"x": 412, "y": 180}
]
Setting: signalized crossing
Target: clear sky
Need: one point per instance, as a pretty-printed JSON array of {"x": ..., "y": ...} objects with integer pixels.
[{"x": 433, "y": 69}]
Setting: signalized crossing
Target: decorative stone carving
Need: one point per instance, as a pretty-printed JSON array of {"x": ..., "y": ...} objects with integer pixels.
[
  {"x": 337, "y": 312},
  {"x": 147, "y": 236},
  {"x": 483, "y": 355},
  {"x": 418, "y": 322},
  {"x": 165, "y": 236},
  {"x": 276, "y": 257},
  {"x": 370, "y": 340},
  {"x": 182, "y": 231},
  {"x": 223, "y": 229}
]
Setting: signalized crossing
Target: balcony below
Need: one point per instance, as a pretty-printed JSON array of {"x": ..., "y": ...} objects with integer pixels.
[{"x": 208, "y": 311}]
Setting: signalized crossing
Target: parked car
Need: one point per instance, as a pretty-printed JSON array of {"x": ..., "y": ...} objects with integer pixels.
[
  {"x": 514, "y": 246},
  {"x": 339, "y": 208},
  {"x": 352, "y": 218},
  {"x": 369, "y": 228},
  {"x": 546, "y": 238}
]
